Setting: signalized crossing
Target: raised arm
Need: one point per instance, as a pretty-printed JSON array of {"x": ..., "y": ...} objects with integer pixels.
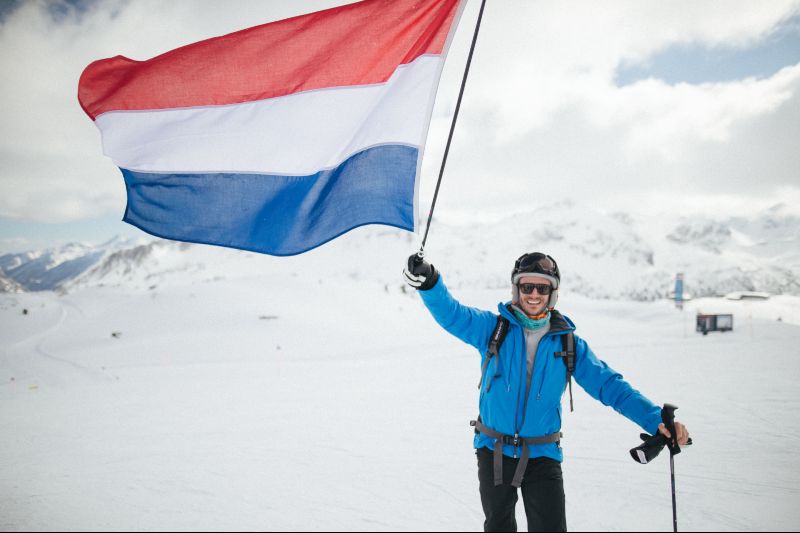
[{"x": 471, "y": 325}]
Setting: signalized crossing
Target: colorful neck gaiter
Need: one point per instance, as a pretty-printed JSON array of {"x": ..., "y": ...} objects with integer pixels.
[{"x": 531, "y": 323}]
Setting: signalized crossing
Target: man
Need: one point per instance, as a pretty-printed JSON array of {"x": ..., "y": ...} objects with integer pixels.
[{"x": 518, "y": 435}]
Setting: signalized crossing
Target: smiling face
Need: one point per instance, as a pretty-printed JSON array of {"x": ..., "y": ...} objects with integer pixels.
[{"x": 533, "y": 304}]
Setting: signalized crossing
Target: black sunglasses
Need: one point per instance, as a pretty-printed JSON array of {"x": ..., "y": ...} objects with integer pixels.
[{"x": 543, "y": 288}]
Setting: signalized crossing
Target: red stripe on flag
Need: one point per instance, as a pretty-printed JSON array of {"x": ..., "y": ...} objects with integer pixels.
[{"x": 355, "y": 44}]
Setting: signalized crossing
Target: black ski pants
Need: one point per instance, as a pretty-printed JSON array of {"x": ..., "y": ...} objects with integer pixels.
[{"x": 542, "y": 493}]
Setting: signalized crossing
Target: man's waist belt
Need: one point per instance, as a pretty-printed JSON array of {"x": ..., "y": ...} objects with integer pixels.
[{"x": 512, "y": 440}]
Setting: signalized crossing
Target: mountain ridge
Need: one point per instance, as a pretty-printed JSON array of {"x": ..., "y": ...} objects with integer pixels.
[{"x": 601, "y": 255}]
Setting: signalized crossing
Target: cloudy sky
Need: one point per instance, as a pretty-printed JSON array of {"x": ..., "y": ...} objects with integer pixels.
[{"x": 682, "y": 106}]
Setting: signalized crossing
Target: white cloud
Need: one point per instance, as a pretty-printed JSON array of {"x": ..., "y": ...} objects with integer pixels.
[
  {"x": 665, "y": 120},
  {"x": 543, "y": 112},
  {"x": 537, "y": 58}
]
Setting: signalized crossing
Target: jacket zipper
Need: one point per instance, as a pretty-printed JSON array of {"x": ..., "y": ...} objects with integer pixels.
[{"x": 522, "y": 376}]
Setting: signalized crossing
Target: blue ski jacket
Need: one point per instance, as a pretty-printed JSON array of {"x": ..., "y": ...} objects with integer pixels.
[{"x": 505, "y": 407}]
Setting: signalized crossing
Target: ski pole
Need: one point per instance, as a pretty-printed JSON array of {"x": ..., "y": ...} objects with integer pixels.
[
  {"x": 668, "y": 417},
  {"x": 652, "y": 446},
  {"x": 452, "y": 126},
  {"x": 674, "y": 505}
]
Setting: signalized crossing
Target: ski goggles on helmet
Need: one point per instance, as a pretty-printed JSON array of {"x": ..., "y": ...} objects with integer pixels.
[
  {"x": 542, "y": 288},
  {"x": 537, "y": 262}
]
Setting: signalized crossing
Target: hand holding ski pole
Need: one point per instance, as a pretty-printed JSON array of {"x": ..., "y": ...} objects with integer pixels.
[
  {"x": 419, "y": 273},
  {"x": 672, "y": 434},
  {"x": 681, "y": 431},
  {"x": 653, "y": 444}
]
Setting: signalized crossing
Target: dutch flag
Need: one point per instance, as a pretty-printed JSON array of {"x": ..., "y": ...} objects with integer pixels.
[{"x": 281, "y": 137}]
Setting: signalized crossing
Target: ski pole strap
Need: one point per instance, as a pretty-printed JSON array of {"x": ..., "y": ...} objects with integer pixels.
[{"x": 524, "y": 442}]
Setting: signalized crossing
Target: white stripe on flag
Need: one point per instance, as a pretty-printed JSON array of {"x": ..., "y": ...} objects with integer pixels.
[{"x": 292, "y": 135}]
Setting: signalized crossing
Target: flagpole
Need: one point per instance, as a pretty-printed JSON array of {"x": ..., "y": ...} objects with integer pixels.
[{"x": 453, "y": 125}]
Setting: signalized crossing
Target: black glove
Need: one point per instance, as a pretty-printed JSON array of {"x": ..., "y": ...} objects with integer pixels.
[
  {"x": 650, "y": 448},
  {"x": 419, "y": 273}
]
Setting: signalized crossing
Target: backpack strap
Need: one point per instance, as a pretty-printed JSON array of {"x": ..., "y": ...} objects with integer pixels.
[
  {"x": 495, "y": 341},
  {"x": 568, "y": 344}
]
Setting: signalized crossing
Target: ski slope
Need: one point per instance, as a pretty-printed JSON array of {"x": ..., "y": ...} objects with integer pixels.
[{"x": 282, "y": 397}]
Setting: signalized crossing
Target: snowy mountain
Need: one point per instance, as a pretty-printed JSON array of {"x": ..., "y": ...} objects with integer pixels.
[
  {"x": 601, "y": 255},
  {"x": 753, "y": 254},
  {"x": 709, "y": 235},
  {"x": 9, "y": 285},
  {"x": 621, "y": 255},
  {"x": 50, "y": 269}
]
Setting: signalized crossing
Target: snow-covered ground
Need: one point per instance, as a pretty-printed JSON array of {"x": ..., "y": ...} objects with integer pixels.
[{"x": 284, "y": 397}]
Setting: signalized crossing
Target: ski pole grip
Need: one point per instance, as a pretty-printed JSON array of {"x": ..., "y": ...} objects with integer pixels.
[{"x": 668, "y": 417}]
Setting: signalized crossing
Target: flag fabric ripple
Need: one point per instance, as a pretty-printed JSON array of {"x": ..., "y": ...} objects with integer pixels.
[{"x": 280, "y": 137}]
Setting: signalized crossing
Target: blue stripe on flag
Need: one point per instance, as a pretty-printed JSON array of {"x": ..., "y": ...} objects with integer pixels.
[{"x": 277, "y": 215}]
